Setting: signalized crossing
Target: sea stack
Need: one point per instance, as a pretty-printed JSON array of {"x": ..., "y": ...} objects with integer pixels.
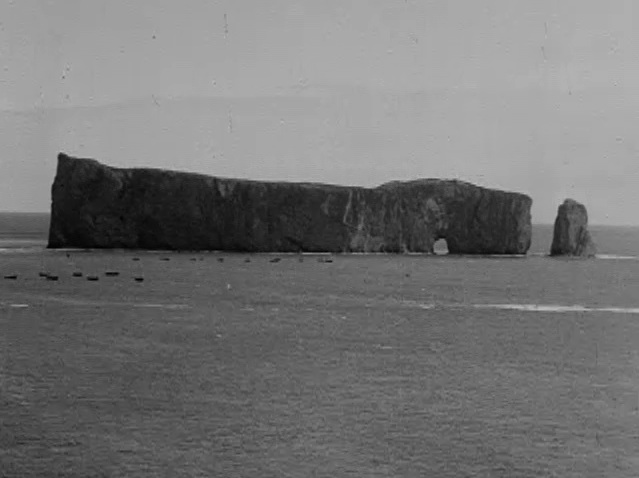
[
  {"x": 571, "y": 236},
  {"x": 96, "y": 206}
]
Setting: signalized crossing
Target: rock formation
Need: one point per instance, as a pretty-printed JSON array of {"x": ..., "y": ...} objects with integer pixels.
[
  {"x": 571, "y": 236},
  {"x": 95, "y": 206}
]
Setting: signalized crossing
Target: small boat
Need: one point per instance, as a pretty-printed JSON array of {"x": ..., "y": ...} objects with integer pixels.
[
  {"x": 52, "y": 277},
  {"x": 111, "y": 273},
  {"x": 138, "y": 279},
  {"x": 11, "y": 276},
  {"x": 93, "y": 278},
  {"x": 77, "y": 274}
]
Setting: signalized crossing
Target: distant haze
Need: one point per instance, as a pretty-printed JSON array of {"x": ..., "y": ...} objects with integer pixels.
[{"x": 536, "y": 96}]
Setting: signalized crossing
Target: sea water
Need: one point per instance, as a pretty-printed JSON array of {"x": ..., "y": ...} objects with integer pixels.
[
  {"x": 372, "y": 365},
  {"x": 23, "y": 230}
]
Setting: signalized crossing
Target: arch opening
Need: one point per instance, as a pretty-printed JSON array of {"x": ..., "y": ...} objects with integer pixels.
[{"x": 440, "y": 248}]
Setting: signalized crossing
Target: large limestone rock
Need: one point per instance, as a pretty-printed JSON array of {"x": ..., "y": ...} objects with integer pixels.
[
  {"x": 571, "y": 236},
  {"x": 95, "y": 206}
]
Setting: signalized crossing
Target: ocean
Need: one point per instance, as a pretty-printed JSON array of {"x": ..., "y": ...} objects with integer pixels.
[
  {"x": 222, "y": 364},
  {"x": 23, "y": 230}
]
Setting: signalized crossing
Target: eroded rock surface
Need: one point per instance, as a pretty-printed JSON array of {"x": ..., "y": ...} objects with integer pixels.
[
  {"x": 96, "y": 206},
  {"x": 571, "y": 236}
]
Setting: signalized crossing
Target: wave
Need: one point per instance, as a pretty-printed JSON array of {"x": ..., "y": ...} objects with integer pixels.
[
  {"x": 558, "y": 308},
  {"x": 21, "y": 250},
  {"x": 39, "y": 247},
  {"x": 617, "y": 257},
  {"x": 534, "y": 307},
  {"x": 549, "y": 308},
  {"x": 41, "y": 299}
]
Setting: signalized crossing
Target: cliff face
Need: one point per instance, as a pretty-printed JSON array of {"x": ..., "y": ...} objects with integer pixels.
[
  {"x": 571, "y": 236},
  {"x": 95, "y": 206}
]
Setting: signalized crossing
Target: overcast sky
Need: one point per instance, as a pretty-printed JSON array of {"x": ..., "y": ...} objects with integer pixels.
[{"x": 533, "y": 96}]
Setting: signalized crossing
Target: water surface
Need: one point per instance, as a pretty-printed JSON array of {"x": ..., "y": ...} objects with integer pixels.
[{"x": 372, "y": 365}]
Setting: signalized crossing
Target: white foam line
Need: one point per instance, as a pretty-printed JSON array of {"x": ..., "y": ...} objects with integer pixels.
[
  {"x": 99, "y": 303},
  {"x": 419, "y": 305},
  {"x": 158, "y": 306},
  {"x": 20, "y": 250},
  {"x": 616, "y": 257},
  {"x": 558, "y": 308},
  {"x": 534, "y": 307},
  {"x": 619, "y": 310}
]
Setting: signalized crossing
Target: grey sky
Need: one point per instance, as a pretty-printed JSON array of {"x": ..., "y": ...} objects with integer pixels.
[{"x": 533, "y": 96}]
